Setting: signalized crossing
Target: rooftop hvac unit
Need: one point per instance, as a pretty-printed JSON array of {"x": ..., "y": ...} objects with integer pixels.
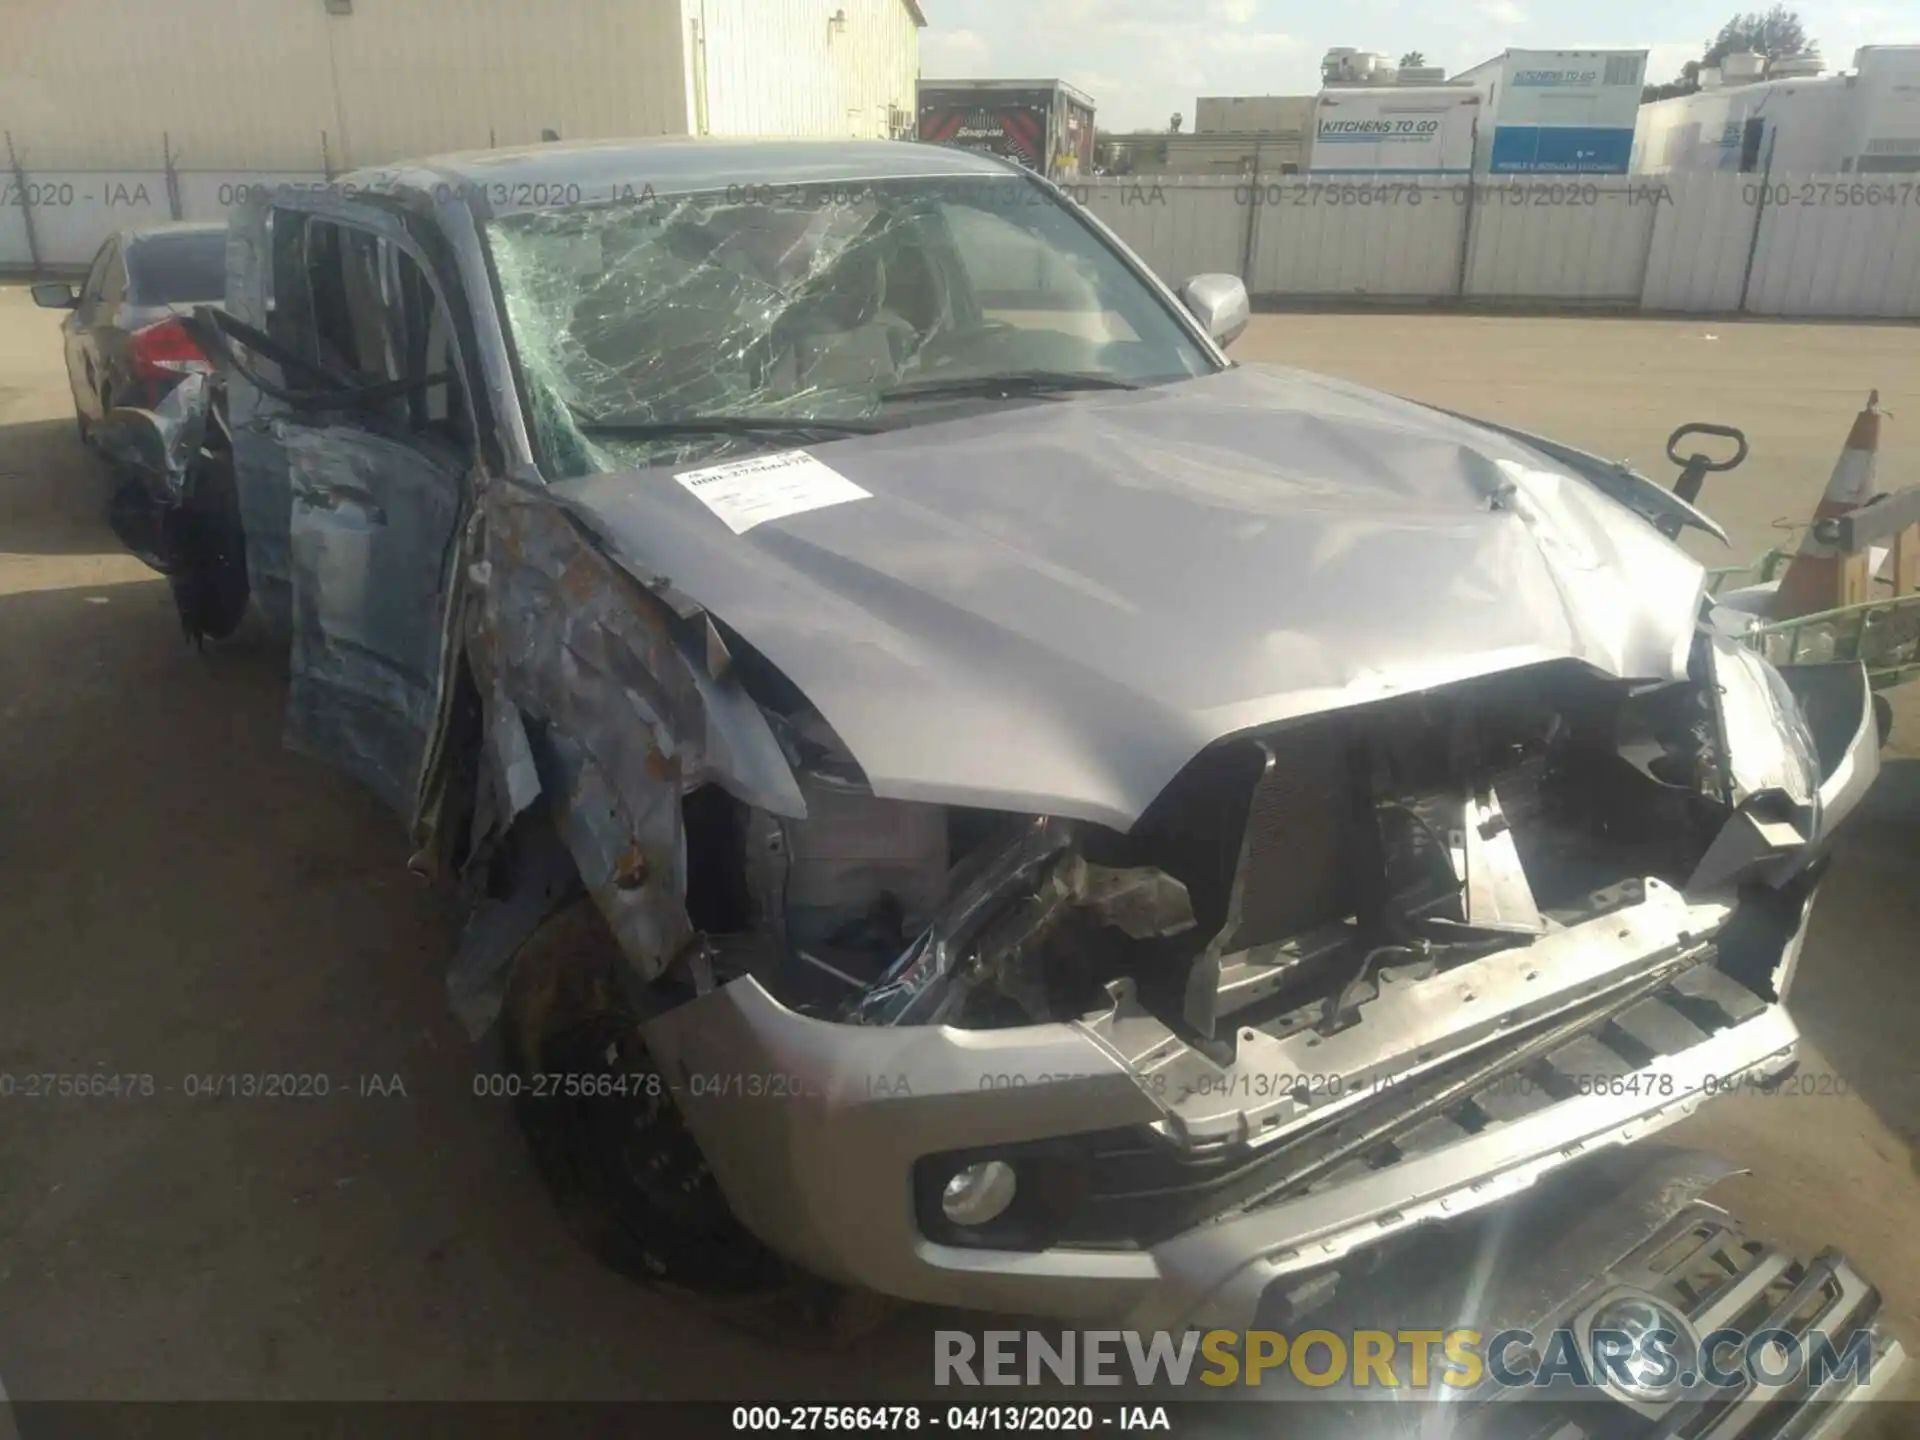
[
  {"x": 1797, "y": 67},
  {"x": 1742, "y": 67},
  {"x": 1344, "y": 65}
]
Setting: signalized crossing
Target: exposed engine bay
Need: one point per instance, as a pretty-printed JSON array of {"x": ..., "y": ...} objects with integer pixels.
[{"x": 1275, "y": 877}]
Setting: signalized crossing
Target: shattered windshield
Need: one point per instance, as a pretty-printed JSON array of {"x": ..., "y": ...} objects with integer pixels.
[{"x": 766, "y": 316}]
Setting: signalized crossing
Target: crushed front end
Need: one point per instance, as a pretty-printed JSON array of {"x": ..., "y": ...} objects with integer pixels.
[{"x": 1377, "y": 967}]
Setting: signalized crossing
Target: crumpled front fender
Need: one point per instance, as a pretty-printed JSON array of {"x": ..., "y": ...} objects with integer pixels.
[
  {"x": 611, "y": 706},
  {"x": 1802, "y": 749}
]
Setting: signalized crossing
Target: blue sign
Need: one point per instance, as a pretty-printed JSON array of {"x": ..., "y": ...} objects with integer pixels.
[{"x": 1560, "y": 150}]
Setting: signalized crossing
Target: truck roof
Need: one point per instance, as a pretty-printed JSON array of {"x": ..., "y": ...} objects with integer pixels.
[
  {"x": 668, "y": 164},
  {"x": 1460, "y": 94},
  {"x": 988, "y": 86},
  {"x": 1493, "y": 60}
]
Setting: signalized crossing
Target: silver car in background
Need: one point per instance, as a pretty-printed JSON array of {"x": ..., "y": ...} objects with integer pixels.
[{"x": 124, "y": 342}]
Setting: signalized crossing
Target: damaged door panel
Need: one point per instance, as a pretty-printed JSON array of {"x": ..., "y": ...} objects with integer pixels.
[
  {"x": 263, "y": 263},
  {"x": 370, "y": 542},
  {"x": 354, "y": 460}
]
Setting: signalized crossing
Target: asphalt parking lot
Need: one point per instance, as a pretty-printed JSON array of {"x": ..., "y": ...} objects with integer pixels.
[{"x": 179, "y": 896}]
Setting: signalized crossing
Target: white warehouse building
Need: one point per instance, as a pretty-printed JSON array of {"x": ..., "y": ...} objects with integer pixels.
[{"x": 331, "y": 85}]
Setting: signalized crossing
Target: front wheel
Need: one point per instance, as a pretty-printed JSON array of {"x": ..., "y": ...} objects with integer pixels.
[{"x": 608, "y": 1139}]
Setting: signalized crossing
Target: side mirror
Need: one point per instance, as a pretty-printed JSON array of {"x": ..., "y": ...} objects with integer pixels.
[
  {"x": 1220, "y": 303},
  {"x": 55, "y": 295}
]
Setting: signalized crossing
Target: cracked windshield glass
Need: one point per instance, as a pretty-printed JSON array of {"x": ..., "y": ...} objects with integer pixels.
[{"x": 762, "y": 317}]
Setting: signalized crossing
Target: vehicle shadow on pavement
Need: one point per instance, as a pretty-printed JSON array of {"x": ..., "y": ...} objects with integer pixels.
[
  {"x": 1857, "y": 992},
  {"x": 53, "y": 492},
  {"x": 1832, "y": 1152},
  {"x": 183, "y": 902}
]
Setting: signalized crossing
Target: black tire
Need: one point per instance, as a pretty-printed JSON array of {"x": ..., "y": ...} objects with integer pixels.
[
  {"x": 1883, "y": 717},
  {"x": 86, "y": 425},
  {"x": 625, "y": 1171}
]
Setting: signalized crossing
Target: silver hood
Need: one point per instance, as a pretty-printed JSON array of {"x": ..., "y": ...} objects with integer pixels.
[{"x": 1052, "y": 607}]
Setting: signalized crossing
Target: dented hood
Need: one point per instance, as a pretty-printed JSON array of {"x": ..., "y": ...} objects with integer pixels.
[{"x": 1053, "y": 606}]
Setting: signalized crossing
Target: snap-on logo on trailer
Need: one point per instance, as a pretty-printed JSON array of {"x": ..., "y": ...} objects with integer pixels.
[{"x": 1556, "y": 77}]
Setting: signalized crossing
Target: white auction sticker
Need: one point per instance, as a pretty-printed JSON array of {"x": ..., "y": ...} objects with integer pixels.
[{"x": 745, "y": 493}]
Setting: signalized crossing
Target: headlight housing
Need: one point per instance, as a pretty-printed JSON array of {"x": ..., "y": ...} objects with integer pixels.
[{"x": 1768, "y": 745}]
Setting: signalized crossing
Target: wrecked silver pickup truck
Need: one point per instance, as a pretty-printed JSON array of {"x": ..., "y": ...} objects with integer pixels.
[{"x": 962, "y": 790}]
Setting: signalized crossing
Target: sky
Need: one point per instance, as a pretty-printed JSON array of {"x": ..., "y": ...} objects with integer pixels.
[{"x": 1143, "y": 60}]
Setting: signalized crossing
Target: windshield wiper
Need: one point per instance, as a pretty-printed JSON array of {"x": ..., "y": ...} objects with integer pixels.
[
  {"x": 634, "y": 427},
  {"x": 1019, "y": 382}
]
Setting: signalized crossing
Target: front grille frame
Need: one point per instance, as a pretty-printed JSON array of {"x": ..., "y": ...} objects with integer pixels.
[
  {"x": 1754, "y": 1286},
  {"x": 1130, "y": 1189}
]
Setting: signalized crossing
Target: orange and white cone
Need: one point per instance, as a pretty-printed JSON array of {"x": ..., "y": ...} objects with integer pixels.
[{"x": 1812, "y": 581}]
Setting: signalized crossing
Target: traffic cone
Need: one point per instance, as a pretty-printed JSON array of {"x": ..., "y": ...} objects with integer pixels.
[{"x": 1813, "y": 580}]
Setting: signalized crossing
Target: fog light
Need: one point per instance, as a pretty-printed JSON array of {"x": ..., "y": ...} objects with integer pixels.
[{"x": 979, "y": 1193}]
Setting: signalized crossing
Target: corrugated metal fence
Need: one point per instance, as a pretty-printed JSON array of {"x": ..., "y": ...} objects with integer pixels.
[
  {"x": 57, "y": 218},
  {"x": 1786, "y": 245}
]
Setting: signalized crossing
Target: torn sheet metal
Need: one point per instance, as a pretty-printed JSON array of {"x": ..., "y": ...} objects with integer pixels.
[
  {"x": 1774, "y": 764},
  {"x": 512, "y": 772},
  {"x": 1804, "y": 747},
  {"x": 1053, "y": 607},
  {"x": 161, "y": 444},
  {"x": 632, "y": 715},
  {"x": 628, "y": 843},
  {"x": 1751, "y": 845},
  {"x": 153, "y": 452},
  {"x": 993, "y": 928},
  {"x": 1769, "y": 747},
  {"x": 917, "y": 990},
  {"x": 543, "y": 875},
  {"x": 1835, "y": 702}
]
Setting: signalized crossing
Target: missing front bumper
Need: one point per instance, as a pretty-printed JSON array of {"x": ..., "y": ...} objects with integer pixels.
[{"x": 814, "y": 1130}]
